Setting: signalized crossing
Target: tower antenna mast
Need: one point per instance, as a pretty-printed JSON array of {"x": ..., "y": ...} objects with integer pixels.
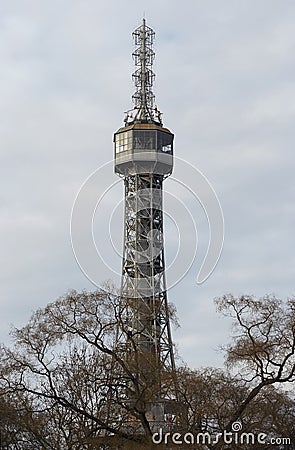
[{"x": 144, "y": 109}]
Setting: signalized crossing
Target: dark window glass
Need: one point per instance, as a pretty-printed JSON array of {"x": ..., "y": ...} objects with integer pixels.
[
  {"x": 165, "y": 142},
  {"x": 144, "y": 140}
]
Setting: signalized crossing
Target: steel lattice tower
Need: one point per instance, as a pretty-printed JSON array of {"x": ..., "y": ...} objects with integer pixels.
[{"x": 144, "y": 158}]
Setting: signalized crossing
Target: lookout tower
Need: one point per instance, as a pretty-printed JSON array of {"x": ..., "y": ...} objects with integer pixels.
[{"x": 144, "y": 159}]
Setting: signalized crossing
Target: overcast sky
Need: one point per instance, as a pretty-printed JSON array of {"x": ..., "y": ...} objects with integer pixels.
[{"x": 225, "y": 83}]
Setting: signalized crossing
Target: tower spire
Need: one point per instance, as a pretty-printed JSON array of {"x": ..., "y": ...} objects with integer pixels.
[{"x": 144, "y": 110}]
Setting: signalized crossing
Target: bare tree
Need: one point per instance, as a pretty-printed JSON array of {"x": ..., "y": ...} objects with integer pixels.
[
  {"x": 263, "y": 347},
  {"x": 262, "y": 351},
  {"x": 65, "y": 358},
  {"x": 65, "y": 385},
  {"x": 212, "y": 398}
]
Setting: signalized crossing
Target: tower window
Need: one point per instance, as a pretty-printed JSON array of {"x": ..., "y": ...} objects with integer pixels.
[
  {"x": 123, "y": 141},
  {"x": 144, "y": 140},
  {"x": 165, "y": 142}
]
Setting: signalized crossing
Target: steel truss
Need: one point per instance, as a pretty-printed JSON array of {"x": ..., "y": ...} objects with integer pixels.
[{"x": 143, "y": 270}]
